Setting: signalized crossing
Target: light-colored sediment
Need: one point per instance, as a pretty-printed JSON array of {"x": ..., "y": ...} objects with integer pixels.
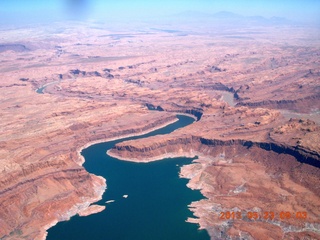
[
  {"x": 92, "y": 209},
  {"x": 239, "y": 175},
  {"x": 151, "y": 159},
  {"x": 83, "y": 208},
  {"x": 82, "y": 160},
  {"x": 92, "y": 187}
]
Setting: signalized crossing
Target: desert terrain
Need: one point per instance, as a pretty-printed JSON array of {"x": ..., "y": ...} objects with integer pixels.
[{"x": 254, "y": 90}]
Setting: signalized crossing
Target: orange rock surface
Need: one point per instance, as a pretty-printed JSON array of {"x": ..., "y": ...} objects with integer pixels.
[{"x": 257, "y": 138}]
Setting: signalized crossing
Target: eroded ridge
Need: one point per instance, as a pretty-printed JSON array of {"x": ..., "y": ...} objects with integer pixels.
[
  {"x": 254, "y": 92},
  {"x": 242, "y": 177}
]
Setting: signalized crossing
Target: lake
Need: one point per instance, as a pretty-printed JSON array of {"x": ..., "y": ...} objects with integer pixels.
[{"x": 157, "y": 202}]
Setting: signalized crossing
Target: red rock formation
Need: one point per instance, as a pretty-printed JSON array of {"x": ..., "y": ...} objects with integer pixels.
[
  {"x": 238, "y": 175},
  {"x": 97, "y": 89}
]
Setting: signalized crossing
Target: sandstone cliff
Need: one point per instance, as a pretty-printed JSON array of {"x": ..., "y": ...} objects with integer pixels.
[
  {"x": 240, "y": 175},
  {"x": 97, "y": 87}
]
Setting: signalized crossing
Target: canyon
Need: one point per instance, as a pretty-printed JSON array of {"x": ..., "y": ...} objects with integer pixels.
[{"x": 69, "y": 85}]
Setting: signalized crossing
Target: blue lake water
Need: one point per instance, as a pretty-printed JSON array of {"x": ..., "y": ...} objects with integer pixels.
[{"x": 157, "y": 203}]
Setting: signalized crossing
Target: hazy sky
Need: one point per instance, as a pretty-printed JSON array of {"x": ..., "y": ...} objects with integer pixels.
[{"x": 302, "y": 10}]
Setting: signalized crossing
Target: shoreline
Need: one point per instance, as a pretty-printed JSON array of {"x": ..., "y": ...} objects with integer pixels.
[
  {"x": 78, "y": 207},
  {"x": 92, "y": 209},
  {"x": 100, "y": 190},
  {"x": 186, "y": 114},
  {"x": 191, "y": 154},
  {"x": 81, "y": 158}
]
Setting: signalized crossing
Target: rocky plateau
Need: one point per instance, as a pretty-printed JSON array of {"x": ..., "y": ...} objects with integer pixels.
[{"x": 256, "y": 102}]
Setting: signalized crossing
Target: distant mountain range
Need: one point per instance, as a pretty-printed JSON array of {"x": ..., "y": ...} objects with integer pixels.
[{"x": 229, "y": 17}]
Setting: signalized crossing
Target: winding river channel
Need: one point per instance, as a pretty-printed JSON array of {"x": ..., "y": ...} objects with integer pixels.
[{"x": 150, "y": 200}]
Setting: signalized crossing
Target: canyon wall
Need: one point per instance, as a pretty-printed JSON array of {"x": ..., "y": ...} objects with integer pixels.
[
  {"x": 227, "y": 174},
  {"x": 45, "y": 185}
]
